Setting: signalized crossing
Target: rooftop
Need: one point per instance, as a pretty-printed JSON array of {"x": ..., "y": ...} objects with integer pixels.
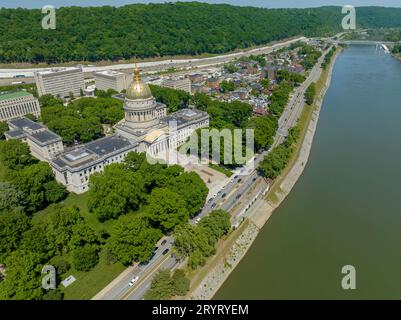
[
  {"x": 13, "y": 95},
  {"x": 92, "y": 152},
  {"x": 184, "y": 116},
  {"x": 45, "y": 136},
  {"x": 59, "y": 71},
  {"x": 22, "y": 123},
  {"x": 110, "y": 73}
]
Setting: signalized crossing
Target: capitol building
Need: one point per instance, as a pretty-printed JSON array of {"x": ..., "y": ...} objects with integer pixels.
[{"x": 146, "y": 127}]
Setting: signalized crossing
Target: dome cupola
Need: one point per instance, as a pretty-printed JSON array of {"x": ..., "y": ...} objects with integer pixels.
[{"x": 138, "y": 90}]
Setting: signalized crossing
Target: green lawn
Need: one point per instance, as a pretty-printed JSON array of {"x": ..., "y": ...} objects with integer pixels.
[
  {"x": 88, "y": 284},
  {"x": 221, "y": 169},
  {"x": 81, "y": 202},
  {"x": 3, "y": 172}
]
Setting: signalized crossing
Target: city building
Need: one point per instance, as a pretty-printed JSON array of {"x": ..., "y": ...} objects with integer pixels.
[
  {"x": 110, "y": 79},
  {"x": 178, "y": 83},
  {"x": 146, "y": 121},
  {"x": 146, "y": 127},
  {"x": 269, "y": 72},
  {"x": 60, "y": 82},
  {"x": 74, "y": 167},
  {"x": 213, "y": 83},
  {"x": 196, "y": 77},
  {"x": 43, "y": 143},
  {"x": 18, "y": 104},
  {"x": 90, "y": 91}
]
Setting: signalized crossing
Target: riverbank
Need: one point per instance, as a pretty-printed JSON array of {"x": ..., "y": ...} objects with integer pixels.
[{"x": 228, "y": 256}]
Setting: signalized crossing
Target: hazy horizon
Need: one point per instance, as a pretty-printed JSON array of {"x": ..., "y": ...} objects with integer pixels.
[{"x": 255, "y": 3}]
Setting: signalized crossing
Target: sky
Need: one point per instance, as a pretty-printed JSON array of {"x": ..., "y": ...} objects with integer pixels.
[{"x": 255, "y": 3}]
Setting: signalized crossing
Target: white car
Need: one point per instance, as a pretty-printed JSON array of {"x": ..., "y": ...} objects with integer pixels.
[
  {"x": 133, "y": 281},
  {"x": 197, "y": 220}
]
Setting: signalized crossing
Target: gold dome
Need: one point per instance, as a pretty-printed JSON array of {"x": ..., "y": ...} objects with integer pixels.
[{"x": 138, "y": 89}]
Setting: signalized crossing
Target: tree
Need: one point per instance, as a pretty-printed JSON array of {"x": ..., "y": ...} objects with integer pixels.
[
  {"x": 166, "y": 209},
  {"x": 53, "y": 294},
  {"x": 272, "y": 165},
  {"x": 310, "y": 94},
  {"x": 12, "y": 227},
  {"x": 62, "y": 266},
  {"x": 264, "y": 130},
  {"x": 230, "y": 68},
  {"x": 36, "y": 240},
  {"x": 134, "y": 161},
  {"x": 191, "y": 242},
  {"x": 181, "y": 282},
  {"x": 11, "y": 199},
  {"x": 15, "y": 154},
  {"x": 265, "y": 83},
  {"x": 48, "y": 100},
  {"x": 133, "y": 238},
  {"x": 215, "y": 225},
  {"x": 32, "y": 181},
  {"x": 211, "y": 30},
  {"x": 31, "y": 117},
  {"x": 227, "y": 86},
  {"x": 162, "y": 287},
  {"x": 115, "y": 192},
  {"x": 3, "y": 129},
  {"x": 198, "y": 242},
  {"x": 192, "y": 189},
  {"x": 55, "y": 192},
  {"x": 280, "y": 98},
  {"x": 23, "y": 279},
  {"x": 86, "y": 257},
  {"x": 82, "y": 119},
  {"x": 173, "y": 98},
  {"x": 82, "y": 234},
  {"x": 60, "y": 222}
]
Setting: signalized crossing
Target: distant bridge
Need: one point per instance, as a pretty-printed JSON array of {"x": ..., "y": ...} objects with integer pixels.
[{"x": 365, "y": 42}]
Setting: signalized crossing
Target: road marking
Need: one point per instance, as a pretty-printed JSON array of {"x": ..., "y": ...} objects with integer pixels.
[{"x": 139, "y": 283}]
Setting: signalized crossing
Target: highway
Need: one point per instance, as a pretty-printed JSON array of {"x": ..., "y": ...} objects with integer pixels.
[
  {"x": 225, "y": 199},
  {"x": 122, "y": 288},
  {"x": 154, "y": 66}
]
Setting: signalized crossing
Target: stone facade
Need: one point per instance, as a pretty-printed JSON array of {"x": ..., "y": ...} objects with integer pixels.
[{"x": 18, "y": 104}]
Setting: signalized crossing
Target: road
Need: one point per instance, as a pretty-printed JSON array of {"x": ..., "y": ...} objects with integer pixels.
[
  {"x": 120, "y": 289},
  {"x": 225, "y": 199}
]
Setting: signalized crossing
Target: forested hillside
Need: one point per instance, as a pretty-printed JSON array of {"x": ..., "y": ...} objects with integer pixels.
[{"x": 109, "y": 33}]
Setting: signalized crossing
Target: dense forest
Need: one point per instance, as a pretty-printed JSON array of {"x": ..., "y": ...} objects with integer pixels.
[{"x": 139, "y": 30}]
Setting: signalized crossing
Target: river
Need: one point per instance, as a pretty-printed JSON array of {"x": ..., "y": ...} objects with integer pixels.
[{"x": 346, "y": 207}]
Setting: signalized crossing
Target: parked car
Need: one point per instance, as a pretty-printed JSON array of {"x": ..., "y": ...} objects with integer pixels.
[
  {"x": 165, "y": 252},
  {"x": 197, "y": 220},
  {"x": 213, "y": 205},
  {"x": 164, "y": 242}
]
